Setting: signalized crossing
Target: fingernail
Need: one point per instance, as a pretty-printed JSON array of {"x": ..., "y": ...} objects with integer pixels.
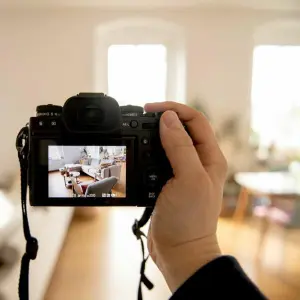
[{"x": 170, "y": 119}]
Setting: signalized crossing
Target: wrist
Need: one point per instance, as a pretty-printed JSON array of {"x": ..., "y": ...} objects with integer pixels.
[{"x": 181, "y": 262}]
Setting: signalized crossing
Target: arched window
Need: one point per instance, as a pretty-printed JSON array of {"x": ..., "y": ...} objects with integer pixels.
[{"x": 140, "y": 60}]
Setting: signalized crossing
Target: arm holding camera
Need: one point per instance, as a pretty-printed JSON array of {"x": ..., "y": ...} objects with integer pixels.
[{"x": 182, "y": 238}]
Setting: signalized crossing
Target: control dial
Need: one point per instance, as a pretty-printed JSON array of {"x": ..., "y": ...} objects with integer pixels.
[
  {"x": 49, "y": 110},
  {"x": 131, "y": 110}
]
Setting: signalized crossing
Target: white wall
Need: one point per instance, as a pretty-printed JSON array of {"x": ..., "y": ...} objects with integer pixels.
[
  {"x": 47, "y": 56},
  {"x": 54, "y": 165},
  {"x": 72, "y": 154}
]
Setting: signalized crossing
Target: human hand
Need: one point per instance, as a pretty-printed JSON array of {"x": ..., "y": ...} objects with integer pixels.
[{"x": 182, "y": 234}]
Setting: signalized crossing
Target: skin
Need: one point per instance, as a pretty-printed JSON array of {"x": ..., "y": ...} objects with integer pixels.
[{"x": 182, "y": 235}]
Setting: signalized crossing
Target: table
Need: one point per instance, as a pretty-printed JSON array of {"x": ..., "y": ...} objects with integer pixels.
[
  {"x": 269, "y": 184},
  {"x": 274, "y": 185},
  {"x": 71, "y": 174},
  {"x": 75, "y": 175}
]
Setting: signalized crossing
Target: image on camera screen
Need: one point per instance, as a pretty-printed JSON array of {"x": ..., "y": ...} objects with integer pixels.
[{"x": 86, "y": 171}]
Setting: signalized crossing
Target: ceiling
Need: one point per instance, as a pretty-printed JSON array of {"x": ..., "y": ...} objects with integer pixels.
[{"x": 143, "y": 4}]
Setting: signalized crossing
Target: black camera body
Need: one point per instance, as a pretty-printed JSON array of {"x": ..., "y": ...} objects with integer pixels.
[{"x": 91, "y": 152}]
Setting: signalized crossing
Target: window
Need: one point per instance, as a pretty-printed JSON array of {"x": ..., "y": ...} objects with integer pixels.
[
  {"x": 56, "y": 152},
  {"x": 137, "y": 73},
  {"x": 93, "y": 151},
  {"x": 276, "y": 96}
]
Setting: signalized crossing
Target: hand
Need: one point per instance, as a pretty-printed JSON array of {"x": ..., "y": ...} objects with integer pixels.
[{"x": 182, "y": 234}]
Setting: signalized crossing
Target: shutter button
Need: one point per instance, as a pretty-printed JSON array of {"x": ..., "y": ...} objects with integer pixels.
[{"x": 134, "y": 124}]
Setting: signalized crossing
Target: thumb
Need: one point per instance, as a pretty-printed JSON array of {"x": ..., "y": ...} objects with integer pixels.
[{"x": 178, "y": 146}]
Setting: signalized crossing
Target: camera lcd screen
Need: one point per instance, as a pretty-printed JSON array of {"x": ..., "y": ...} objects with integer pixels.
[{"x": 86, "y": 171}]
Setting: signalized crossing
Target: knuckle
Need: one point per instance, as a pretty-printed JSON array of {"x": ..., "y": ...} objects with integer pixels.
[{"x": 171, "y": 104}]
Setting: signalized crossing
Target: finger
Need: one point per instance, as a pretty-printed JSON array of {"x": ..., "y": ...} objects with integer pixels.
[
  {"x": 202, "y": 134},
  {"x": 179, "y": 146}
]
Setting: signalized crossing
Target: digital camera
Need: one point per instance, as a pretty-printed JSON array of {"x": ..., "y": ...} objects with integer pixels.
[{"x": 92, "y": 152}]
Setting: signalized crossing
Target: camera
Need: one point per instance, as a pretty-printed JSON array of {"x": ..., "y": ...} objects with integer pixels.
[{"x": 93, "y": 152}]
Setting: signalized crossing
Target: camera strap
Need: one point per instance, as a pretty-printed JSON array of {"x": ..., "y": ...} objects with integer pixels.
[
  {"x": 136, "y": 228},
  {"x": 31, "y": 242}
]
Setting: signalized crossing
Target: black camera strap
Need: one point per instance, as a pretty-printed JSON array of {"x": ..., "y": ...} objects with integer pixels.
[
  {"x": 31, "y": 242},
  {"x": 136, "y": 228}
]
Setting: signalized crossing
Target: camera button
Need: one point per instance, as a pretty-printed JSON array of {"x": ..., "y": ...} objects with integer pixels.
[
  {"x": 152, "y": 176},
  {"x": 151, "y": 195},
  {"x": 53, "y": 123},
  {"x": 125, "y": 124},
  {"x": 145, "y": 141},
  {"x": 134, "y": 124}
]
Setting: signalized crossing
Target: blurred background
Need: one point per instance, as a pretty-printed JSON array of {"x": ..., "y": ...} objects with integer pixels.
[{"x": 237, "y": 61}]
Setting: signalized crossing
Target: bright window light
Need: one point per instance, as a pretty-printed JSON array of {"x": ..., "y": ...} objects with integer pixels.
[
  {"x": 56, "y": 152},
  {"x": 276, "y": 95},
  {"x": 137, "y": 73}
]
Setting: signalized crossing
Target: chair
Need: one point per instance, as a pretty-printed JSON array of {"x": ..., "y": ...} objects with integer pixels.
[
  {"x": 115, "y": 171},
  {"x": 274, "y": 213},
  {"x": 101, "y": 187},
  {"x": 101, "y": 174}
]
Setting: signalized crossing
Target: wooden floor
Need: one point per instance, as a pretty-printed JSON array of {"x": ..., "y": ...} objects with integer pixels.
[
  {"x": 57, "y": 186},
  {"x": 101, "y": 259}
]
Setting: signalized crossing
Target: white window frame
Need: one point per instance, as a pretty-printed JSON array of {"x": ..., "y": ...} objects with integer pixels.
[
  {"x": 281, "y": 32},
  {"x": 143, "y": 31},
  {"x": 278, "y": 108},
  {"x": 93, "y": 151}
]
